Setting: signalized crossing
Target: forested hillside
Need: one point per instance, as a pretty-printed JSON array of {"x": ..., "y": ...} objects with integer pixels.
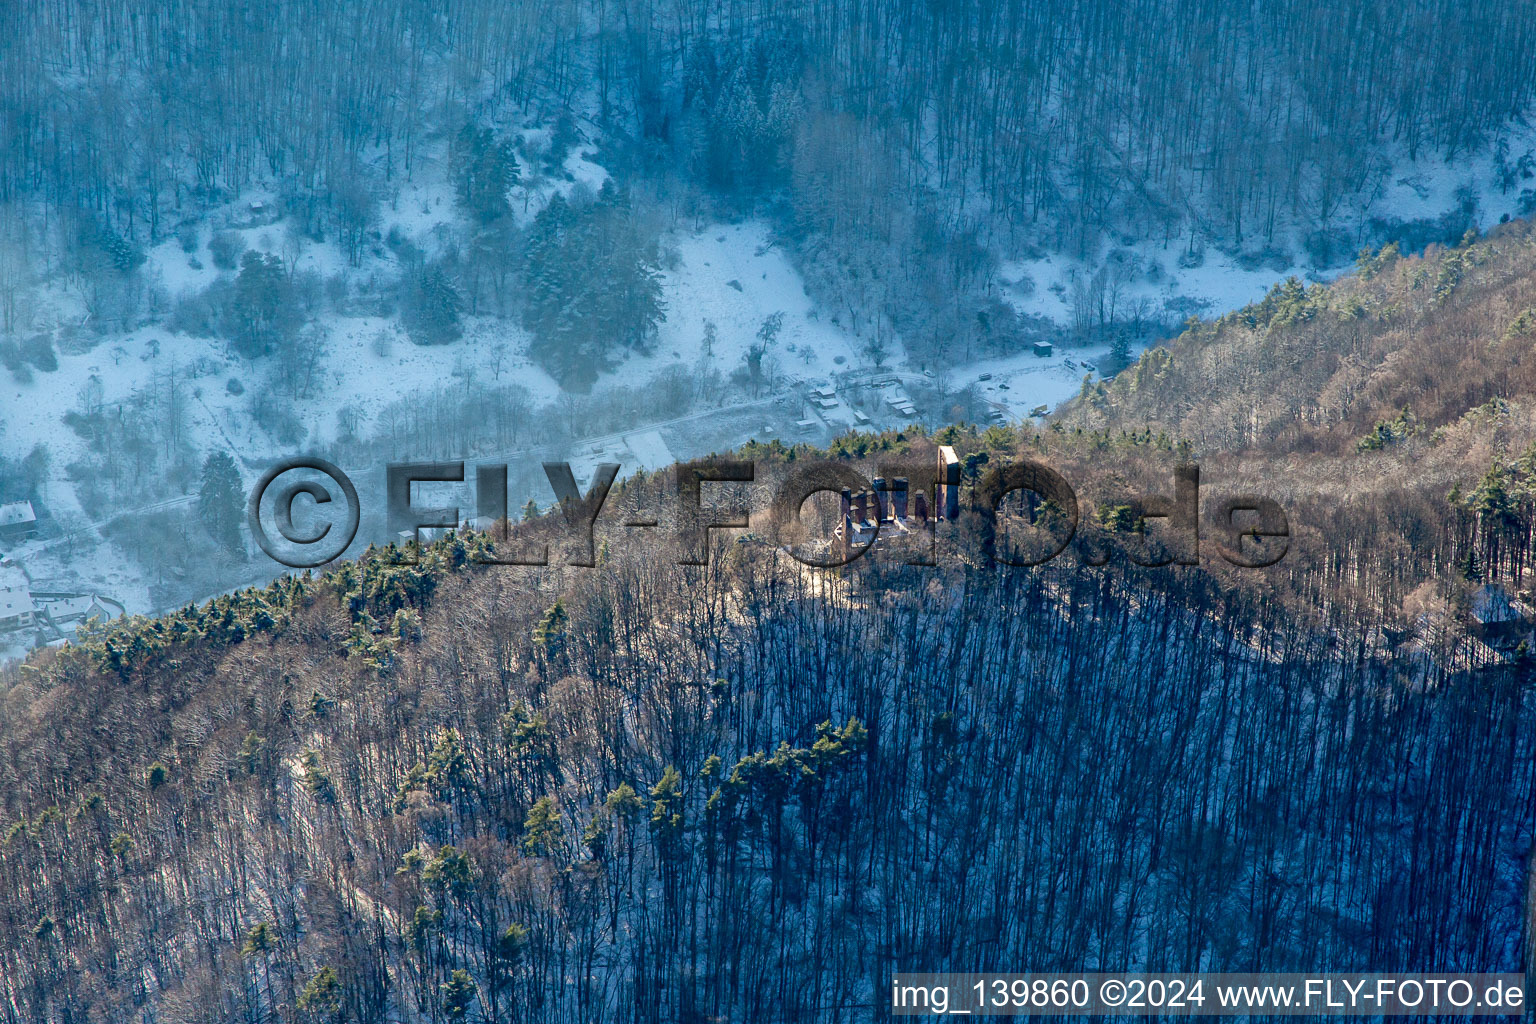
[
  {"x": 749, "y": 791},
  {"x": 905, "y": 147},
  {"x": 1396, "y": 408},
  {"x": 1099, "y": 114},
  {"x": 644, "y": 791}
]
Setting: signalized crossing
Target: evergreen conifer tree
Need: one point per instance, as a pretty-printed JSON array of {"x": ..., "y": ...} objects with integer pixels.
[{"x": 219, "y": 500}]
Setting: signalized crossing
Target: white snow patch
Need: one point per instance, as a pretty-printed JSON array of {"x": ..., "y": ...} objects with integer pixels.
[
  {"x": 648, "y": 450},
  {"x": 734, "y": 277}
]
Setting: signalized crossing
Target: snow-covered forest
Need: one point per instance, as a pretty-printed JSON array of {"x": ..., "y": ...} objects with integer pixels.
[
  {"x": 542, "y": 229},
  {"x": 1280, "y": 252}
]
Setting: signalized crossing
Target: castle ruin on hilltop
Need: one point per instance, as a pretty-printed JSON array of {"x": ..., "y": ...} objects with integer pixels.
[{"x": 890, "y": 508}]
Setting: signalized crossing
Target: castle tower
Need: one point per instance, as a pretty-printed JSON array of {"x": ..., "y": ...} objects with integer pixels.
[{"x": 949, "y": 484}]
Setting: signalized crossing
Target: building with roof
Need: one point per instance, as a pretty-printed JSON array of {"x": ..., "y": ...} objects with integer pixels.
[
  {"x": 17, "y": 608},
  {"x": 1497, "y": 617},
  {"x": 18, "y": 521}
]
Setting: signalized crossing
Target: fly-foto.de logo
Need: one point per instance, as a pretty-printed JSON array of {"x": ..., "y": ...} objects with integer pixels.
[{"x": 1020, "y": 513}]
